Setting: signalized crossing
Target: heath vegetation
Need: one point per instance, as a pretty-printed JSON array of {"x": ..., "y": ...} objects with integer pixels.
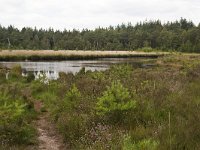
[{"x": 124, "y": 107}]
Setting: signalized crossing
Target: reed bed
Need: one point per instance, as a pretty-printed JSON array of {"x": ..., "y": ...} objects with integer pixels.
[{"x": 8, "y": 55}]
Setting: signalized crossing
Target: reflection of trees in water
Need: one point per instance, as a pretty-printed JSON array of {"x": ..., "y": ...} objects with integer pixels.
[
  {"x": 52, "y": 75},
  {"x": 51, "y": 69}
]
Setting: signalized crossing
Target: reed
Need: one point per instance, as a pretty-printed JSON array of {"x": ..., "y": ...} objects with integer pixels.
[{"x": 34, "y": 55}]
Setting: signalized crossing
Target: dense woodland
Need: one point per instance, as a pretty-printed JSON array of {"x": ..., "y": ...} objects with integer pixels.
[{"x": 182, "y": 35}]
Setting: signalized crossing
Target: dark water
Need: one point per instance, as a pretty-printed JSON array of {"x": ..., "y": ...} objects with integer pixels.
[{"x": 52, "y": 68}]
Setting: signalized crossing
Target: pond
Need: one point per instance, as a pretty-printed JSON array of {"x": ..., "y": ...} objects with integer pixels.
[{"x": 52, "y": 68}]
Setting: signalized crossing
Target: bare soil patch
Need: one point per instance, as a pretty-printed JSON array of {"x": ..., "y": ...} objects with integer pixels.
[{"x": 48, "y": 137}]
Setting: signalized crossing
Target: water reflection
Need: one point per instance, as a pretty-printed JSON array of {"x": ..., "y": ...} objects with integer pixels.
[
  {"x": 52, "y": 75},
  {"x": 52, "y": 68}
]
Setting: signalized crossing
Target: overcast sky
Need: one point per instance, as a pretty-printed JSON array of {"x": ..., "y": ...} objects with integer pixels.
[{"x": 79, "y": 14}]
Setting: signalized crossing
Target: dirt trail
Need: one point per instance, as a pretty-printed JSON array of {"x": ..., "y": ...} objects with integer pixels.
[{"x": 48, "y": 138}]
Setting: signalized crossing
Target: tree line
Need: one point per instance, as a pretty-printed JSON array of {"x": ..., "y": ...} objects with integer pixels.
[{"x": 181, "y": 35}]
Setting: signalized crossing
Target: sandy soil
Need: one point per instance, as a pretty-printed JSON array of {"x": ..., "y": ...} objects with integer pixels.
[{"x": 48, "y": 137}]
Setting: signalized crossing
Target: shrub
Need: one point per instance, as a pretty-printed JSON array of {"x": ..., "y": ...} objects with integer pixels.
[
  {"x": 73, "y": 94},
  {"x": 71, "y": 100},
  {"x": 10, "y": 112},
  {"x": 30, "y": 77},
  {"x": 13, "y": 125},
  {"x": 70, "y": 123},
  {"x": 115, "y": 102},
  {"x": 120, "y": 72}
]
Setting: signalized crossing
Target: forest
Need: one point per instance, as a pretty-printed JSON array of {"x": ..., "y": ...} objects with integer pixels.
[{"x": 182, "y": 36}]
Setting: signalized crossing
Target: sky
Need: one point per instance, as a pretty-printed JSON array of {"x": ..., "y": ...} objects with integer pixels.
[{"x": 79, "y": 14}]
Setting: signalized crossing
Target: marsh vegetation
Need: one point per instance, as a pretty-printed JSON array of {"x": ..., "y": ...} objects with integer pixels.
[
  {"x": 124, "y": 107},
  {"x": 50, "y": 55}
]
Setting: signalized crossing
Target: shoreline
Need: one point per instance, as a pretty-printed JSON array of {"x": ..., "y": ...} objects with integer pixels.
[{"x": 34, "y": 55}]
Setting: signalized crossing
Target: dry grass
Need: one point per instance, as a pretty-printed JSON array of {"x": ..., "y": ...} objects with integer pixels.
[{"x": 76, "y": 53}]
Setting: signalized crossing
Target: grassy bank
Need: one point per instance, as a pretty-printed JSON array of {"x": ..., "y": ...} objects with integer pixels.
[
  {"x": 16, "y": 55},
  {"x": 124, "y": 107}
]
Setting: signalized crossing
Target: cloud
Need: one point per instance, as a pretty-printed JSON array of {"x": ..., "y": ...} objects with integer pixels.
[{"x": 69, "y": 14}]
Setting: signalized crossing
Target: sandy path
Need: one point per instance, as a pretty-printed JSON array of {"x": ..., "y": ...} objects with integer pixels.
[
  {"x": 48, "y": 140},
  {"x": 48, "y": 137}
]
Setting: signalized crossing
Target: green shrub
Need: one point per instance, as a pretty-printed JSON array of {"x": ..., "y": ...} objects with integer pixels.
[
  {"x": 30, "y": 77},
  {"x": 10, "y": 112},
  {"x": 120, "y": 72},
  {"x": 71, "y": 100},
  {"x": 68, "y": 120},
  {"x": 73, "y": 94},
  {"x": 13, "y": 125},
  {"x": 115, "y": 102}
]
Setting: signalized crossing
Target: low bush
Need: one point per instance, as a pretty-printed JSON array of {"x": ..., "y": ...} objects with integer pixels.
[
  {"x": 14, "y": 126},
  {"x": 115, "y": 103}
]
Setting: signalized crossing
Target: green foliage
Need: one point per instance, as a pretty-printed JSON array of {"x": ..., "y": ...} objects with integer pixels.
[
  {"x": 120, "y": 72},
  {"x": 98, "y": 75},
  {"x": 71, "y": 99},
  {"x": 73, "y": 94},
  {"x": 30, "y": 77},
  {"x": 147, "y": 49},
  {"x": 10, "y": 112},
  {"x": 13, "y": 124},
  {"x": 145, "y": 144},
  {"x": 180, "y": 35},
  {"x": 115, "y": 102},
  {"x": 69, "y": 103},
  {"x": 70, "y": 124}
]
